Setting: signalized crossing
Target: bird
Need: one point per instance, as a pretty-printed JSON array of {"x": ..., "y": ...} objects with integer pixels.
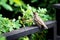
[{"x": 37, "y": 19}]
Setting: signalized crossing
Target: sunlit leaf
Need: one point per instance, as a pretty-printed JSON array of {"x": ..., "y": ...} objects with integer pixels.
[
  {"x": 19, "y": 2},
  {"x": 7, "y": 7},
  {"x": 2, "y": 37},
  {"x": 11, "y": 2},
  {"x": 3, "y": 1},
  {"x": 34, "y": 1}
]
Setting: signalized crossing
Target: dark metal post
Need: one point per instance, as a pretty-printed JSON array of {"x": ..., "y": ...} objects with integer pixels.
[
  {"x": 57, "y": 27},
  {"x": 57, "y": 6},
  {"x": 55, "y": 32}
]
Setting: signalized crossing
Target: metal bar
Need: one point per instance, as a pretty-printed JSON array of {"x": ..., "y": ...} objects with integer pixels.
[
  {"x": 58, "y": 37},
  {"x": 55, "y": 31},
  {"x": 56, "y": 6},
  {"x": 26, "y": 31}
]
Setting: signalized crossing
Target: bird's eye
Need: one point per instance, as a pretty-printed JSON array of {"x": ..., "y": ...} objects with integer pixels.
[{"x": 33, "y": 12}]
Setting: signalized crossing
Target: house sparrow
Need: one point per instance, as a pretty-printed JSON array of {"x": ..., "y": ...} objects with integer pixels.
[{"x": 39, "y": 21}]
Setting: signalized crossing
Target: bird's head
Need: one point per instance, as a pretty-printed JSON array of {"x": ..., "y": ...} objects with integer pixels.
[{"x": 35, "y": 13}]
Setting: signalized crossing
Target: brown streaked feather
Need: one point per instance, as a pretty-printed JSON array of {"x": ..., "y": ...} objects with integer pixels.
[{"x": 39, "y": 21}]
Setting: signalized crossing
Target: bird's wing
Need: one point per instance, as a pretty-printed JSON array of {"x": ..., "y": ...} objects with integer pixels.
[
  {"x": 39, "y": 21},
  {"x": 42, "y": 23}
]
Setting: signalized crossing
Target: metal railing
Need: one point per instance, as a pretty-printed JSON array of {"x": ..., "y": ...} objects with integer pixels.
[{"x": 29, "y": 30}]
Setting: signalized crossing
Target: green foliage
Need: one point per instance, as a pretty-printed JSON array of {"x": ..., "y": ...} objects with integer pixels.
[
  {"x": 17, "y": 3},
  {"x": 4, "y": 4},
  {"x": 7, "y": 25},
  {"x": 48, "y": 4},
  {"x": 34, "y": 1},
  {"x": 28, "y": 15},
  {"x": 39, "y": 36},
  {"x": 2, "y": 37},
  {"x": 7, "y": 7},
  {"x": 24, "y": 38}
]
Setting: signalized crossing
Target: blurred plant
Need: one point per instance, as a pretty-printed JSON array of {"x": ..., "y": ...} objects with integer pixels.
[
  {"x": 43, "y": 14},
  {"x": 48, "y": 4},
  {"x": 27, "y": 18},
  {"x": 34, "y": 1},
  {"x": 24, "y": 38},
  {"x": 39, "y": 35},
  {"x": 7, "y": 25},
  {"x": 2, "y": 37},
  {"x": 17, "y": 3},
  {"x": 4, "y": 4}
]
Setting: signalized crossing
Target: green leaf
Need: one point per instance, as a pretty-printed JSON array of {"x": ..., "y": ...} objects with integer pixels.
[
  {"x": 0, "y": 8},
  {"x": 24, "y": 38},
  {"x": 7, "y": 7},
  {"x": 34, "y": 1},
  {"x": 19, "y": 2},
  {"x": 3, "y": 1},
  {"x": 11, "y": 2},
  {"x": 11, "y": 28},
  {"x": 7, "y": 25},
  {"x": 2, "y": 38}
]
